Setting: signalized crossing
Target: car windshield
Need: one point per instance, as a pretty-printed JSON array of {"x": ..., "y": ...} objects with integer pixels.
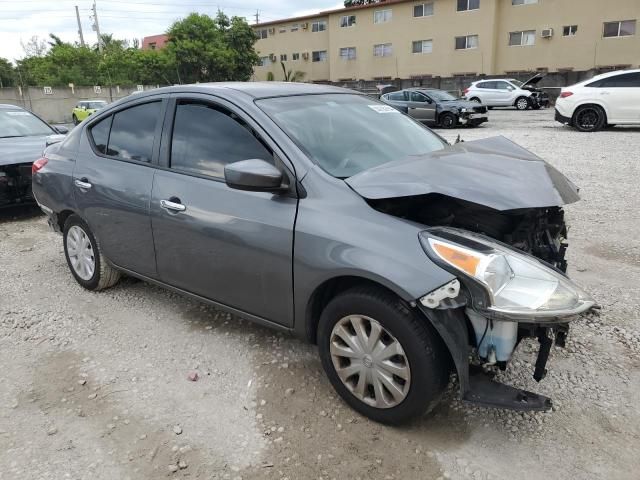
[
  {"x": 20, "y": 123},
  {"x": 441, "y": 95},
  {"x": 95, "y": 105},
  {"x": 517, "y": 83},
  {"x": 347, "y": 134}
]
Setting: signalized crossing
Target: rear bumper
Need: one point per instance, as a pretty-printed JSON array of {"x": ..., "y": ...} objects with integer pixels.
[{"x": 561, "y": 118}]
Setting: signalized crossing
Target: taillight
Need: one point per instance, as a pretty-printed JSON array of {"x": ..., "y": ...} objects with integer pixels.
[
  {"x": 38, "y": 164},
  {"x": 566, "y": 94},
  {"x": 465, "y": 91}
]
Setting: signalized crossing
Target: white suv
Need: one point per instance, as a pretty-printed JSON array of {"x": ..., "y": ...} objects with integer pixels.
[
  {"x": 605, "y": 100},
  {"x": 507, "y": 92}
]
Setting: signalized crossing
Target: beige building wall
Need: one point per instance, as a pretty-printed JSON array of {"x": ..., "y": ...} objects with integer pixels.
[
  {"x": 492, "y": 23},
  {"x": 586, "y": 50}
]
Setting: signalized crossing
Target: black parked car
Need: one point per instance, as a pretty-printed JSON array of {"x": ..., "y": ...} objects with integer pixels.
[
  {"x": 23, "y": 138},
  {"x": 321, "y": 211},
  {"x": 437, "y": 107}
]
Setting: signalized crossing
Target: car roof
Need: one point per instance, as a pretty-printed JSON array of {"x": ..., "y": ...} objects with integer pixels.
[
  {"x": 610, "y": 74},
  {"x": 7, "y": 106},
  {"x": 257, "y": 90}
]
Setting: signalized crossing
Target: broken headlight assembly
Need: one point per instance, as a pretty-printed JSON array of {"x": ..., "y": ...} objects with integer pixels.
[{"x": 504, "y": 283}]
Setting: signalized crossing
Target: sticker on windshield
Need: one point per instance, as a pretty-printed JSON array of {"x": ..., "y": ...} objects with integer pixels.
[
  {"x": 383, "y": 108},
  {"x": 18, "y": 114}
]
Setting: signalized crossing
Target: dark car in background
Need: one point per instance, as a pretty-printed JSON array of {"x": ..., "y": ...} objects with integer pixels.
[
  {"x": 23, "y": 138},
  {"x": 324, "y": 212},
  {"x": 436, "y": 107}
]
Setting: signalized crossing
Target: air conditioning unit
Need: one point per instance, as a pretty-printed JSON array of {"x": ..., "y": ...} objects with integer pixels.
[
  {"x": 547, "y": 33},
  {"x": 272, "y": 31},
  {"x": 305, "y": 26},
  {"x": 305, "y": 55}
]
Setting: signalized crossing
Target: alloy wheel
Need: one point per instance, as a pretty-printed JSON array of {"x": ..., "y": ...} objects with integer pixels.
[
  {"x": 588, "y": 119},
  {"x": 370, "y": 361},
  {"x": 81, "y": 253},
  {"x": 522, "y": 104}
]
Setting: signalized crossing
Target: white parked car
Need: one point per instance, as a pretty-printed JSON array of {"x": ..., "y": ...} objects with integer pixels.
[
  {"x": 508, "y": 92},
  {"x": 605, "y": 100}
]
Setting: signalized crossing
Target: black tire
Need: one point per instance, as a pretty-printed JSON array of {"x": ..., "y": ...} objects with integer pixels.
[
  {"x": 589, "y": 118},
  {"x": 448, "y": 120},
  {"x": 536, "y": 107},
  {"x": 75, "y": 119},
  {"x": 522, "y": 103},
  {"x": 475, "y": 99},
  {"x": 104, "y": 275},
  {"x": 426, "y": 355}
]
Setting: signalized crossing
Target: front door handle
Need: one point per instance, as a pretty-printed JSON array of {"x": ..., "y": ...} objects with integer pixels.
[
  {"x": 82, "y": 184},
  {"x": 173, "y": 206}
]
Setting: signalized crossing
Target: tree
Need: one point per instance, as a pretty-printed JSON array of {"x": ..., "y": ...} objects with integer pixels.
[
  {"x": 291, "y": 76},
  {"x": 7, "y": 73},
  {"x": 206, "y": 49},
  {"x": 34, "y": 47}
]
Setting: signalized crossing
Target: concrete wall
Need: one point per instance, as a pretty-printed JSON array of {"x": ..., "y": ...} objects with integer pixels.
[{"x": 57, "y": 106}]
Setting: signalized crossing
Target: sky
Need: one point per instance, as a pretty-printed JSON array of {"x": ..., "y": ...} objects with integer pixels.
[{"x": 20, "y": 20}]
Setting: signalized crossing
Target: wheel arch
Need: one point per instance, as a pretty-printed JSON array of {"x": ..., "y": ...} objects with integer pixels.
[
  {"x": 332, "y": 287},
  {"x": 590, "y": 103},
  {"x": 61, "y": 218}
]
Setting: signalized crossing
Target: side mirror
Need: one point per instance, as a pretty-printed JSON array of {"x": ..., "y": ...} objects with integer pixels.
[
  {"x": 62, "y": 130},
  {"x": 254, "y": 175}
]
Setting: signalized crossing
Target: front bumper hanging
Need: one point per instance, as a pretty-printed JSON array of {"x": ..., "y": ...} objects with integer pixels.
[{"x": 477, "y": 386}]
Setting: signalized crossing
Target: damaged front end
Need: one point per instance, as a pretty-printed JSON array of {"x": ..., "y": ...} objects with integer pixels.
[
  {"x": 493, "y": 216},
  {"x": 499, "y": 297},
  {"x": 15, "y": 184}
]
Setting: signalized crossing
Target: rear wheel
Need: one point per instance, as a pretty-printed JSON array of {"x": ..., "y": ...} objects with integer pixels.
[
  {"x": 522, "y": 103},
  {"x": 84, "y": 256},
  {"x": 475, "y": 99},
  {"x": 448, "y": 120},
  {"x": 383, "y": 359},
  {"x": 589, "y": 118}
]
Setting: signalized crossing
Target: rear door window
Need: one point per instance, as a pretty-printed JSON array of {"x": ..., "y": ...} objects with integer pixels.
[
  {"x": 207, "y": 137},
  {"x": 626, "y": 80},
  {"x": 100, "y": 134},
  {"x": 487, "y": 85}
]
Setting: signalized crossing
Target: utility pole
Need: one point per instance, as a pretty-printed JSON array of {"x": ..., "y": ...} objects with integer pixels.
[
  {"x": 96, "y": 26},
  {"x": 79, "y": 27},
  {"x": 257, "y": 16}
]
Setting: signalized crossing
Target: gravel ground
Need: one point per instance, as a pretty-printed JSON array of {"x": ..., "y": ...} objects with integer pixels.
[{"x": 94, "y": 385}]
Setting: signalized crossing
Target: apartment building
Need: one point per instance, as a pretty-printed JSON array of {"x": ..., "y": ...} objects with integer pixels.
[{"x": 421, "y": 39}]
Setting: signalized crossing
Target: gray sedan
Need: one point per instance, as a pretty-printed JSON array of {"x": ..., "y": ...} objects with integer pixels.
[
  {"x": 319, "y": 211},
  {"x": 437, "y": 107}
]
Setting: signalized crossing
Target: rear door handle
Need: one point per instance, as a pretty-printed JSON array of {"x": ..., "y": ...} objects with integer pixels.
[
  {"x": 173, "y": 206},
  {"x": 82, "y": 184}
]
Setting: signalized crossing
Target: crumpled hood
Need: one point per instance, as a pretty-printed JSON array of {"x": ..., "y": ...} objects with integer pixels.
[
  {"x": 460, "y": 104},
  {"x": 494, "y": 172},
  {"x": 21, "y": 149}
]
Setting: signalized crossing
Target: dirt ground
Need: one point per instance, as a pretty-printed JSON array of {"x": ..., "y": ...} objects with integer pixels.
[{"x": 94, "y": 385}]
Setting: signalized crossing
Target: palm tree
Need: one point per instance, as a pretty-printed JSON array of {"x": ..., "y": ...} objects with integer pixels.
[{"x": 291, "y": 76}]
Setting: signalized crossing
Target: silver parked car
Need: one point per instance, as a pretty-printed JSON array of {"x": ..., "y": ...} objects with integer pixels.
[{"x": 323, "y": 212}]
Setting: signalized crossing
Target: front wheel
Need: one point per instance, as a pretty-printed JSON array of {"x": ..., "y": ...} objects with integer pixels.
[
  {"x": 522, "y": 103},
  {"x": 448, "y": 120},
  {"x": 85, "y": 258},
  {"x": 383, "y": 358}
]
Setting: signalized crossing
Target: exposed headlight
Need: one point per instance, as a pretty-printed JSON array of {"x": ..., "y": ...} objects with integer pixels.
[{"x": 513, "y": 285}]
